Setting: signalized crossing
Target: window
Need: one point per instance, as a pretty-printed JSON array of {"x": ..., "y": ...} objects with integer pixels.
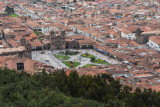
[
  {"x": 20, "y": 66},
  {"x": 156, "y": 47},
  {"x": 151, "y": 43}
]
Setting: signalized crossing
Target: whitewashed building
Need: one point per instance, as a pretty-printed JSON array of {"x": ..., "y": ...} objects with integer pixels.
[{"x": 154, "y": 42}]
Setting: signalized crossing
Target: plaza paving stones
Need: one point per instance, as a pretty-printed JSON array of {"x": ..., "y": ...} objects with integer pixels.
[{"x": 49, "y": 58}]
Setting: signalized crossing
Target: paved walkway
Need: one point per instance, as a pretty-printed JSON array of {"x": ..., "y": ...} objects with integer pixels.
[
  {"x": 95, "y": 53},
  {"x": 58, "y": 64},
  {"x": 53, "y": 61}
]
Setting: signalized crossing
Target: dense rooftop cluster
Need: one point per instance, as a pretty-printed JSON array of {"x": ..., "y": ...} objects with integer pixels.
[{"x": 126, "y": 30}]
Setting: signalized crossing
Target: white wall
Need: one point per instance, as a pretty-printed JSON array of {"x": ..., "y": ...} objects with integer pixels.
[
  {"x": 153, "y": 45},
  {"x": 130, "y": 36},
  {"x": 45, "y": 30}
]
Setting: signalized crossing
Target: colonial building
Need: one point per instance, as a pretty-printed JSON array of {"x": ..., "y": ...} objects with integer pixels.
[
  {"x": 61, "y": 41},
  {"x": 34, "y": 25},
  {"x": 58, "y": 40},
  {"x": 20, "y": 51},
  {"x": 21, "y": 64},
  {"x": 141, "y": 39},
  {"x": 154, "y": 42},
  {"x": 17, "y": 63}
]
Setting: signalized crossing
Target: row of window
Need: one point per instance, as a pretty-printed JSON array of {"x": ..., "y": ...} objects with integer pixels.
[{"x": 151, "y": 44}]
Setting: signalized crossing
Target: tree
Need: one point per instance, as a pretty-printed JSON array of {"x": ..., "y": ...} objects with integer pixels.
[
  {"x": 58, "y": 89},
  {"x": 9, "y": 10},
  {"x": 92, "y": 59}
]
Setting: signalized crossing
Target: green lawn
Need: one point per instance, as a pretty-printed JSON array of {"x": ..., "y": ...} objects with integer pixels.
[
  {"x": 100, "y": 61},
  {"x": 38, "y": 33},
  {"x": 70, "y": 53},
  {"x": 62, "y": 57},
  {"x": 89, "y": 65},
  {"x": 87, "y": 55},
  {"x": 13, "y": 15},
  {"x": 71, "y": 64}
]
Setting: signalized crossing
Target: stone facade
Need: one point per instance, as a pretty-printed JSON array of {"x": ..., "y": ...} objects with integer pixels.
[
  {"x": 72, "y": 45},
  {"x": 61, "y": 41},
  {"x": 140, "y": 39},
  {"x": 27, "y": 46},
  {"x": 58, "y": 41}
]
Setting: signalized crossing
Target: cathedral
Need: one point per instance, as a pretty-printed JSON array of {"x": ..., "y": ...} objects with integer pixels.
[{"x": 61, "y": 41}]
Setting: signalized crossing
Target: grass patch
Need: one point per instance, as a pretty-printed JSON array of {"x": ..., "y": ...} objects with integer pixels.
[
  {"x": 40, "y": 38},
  {"x": 70, "y": 53},
  {"x": 71, "y": 64},
  {"x": 100, "y": 61},
  {"x": 62, "y": 57},
  {"x": 38, "y": 33},
  {"x": 13, "y": 15},
  {"x": 89, "y": 65},
  {"x": 87, "y": 55},
  {"x": 94, "y": 59}
]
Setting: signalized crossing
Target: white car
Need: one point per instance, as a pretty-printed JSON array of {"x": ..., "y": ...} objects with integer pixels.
[{"x": 47, "y": 60}]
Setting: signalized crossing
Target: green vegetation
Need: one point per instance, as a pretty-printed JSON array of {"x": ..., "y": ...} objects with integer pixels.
[
  {"x": 9, "y": 10},
  {"x": 89, "y": 65},
  {"x": 87, "y": 55},
  {"x": 13, "y": 15},
  {"x": 99, "y": 61},
  {"x": 56, "y": 89},
  {"x": 94, "y": 59},
  {"x": 38, "y": 33},
  {"x": 62, "y": 57},
  {"x": 70, "y": 53},
  {"x": 40, "y": 38},
  {"x": 71, "y": 64},
  {"x": 39, "y": 90}
]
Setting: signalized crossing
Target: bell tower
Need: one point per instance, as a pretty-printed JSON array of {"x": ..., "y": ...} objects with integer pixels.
[
  {"x": 27, "y": 46},
  {"x": 138, "y": 32},
  {"x": 140, "y": 39},
  {"x": 22, "y": 41},
  {"x": 52, "y": 35}
]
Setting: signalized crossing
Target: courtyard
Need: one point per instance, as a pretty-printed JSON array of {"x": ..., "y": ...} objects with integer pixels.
[{"x": 72, "y": 58}]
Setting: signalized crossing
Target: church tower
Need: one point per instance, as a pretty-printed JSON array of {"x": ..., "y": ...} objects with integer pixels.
[
  {"x": 27, "y": 46},
  {"x": 28, "y": 50},
  {"x": 140, "y": 39},
  {"x": 52, "y": 35},
  {"x": 22, "y": 41},
  {"x": 138, "y": 32}
]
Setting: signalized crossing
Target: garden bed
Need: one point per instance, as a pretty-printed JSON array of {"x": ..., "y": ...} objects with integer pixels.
[
  {"x": 71, "y": 64},
  {"x": 62, "y": 57},
  {"x": 87, "y": 55},
  {"x": 100, "y": 61},
  {"x": 89, "y": 65}
]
